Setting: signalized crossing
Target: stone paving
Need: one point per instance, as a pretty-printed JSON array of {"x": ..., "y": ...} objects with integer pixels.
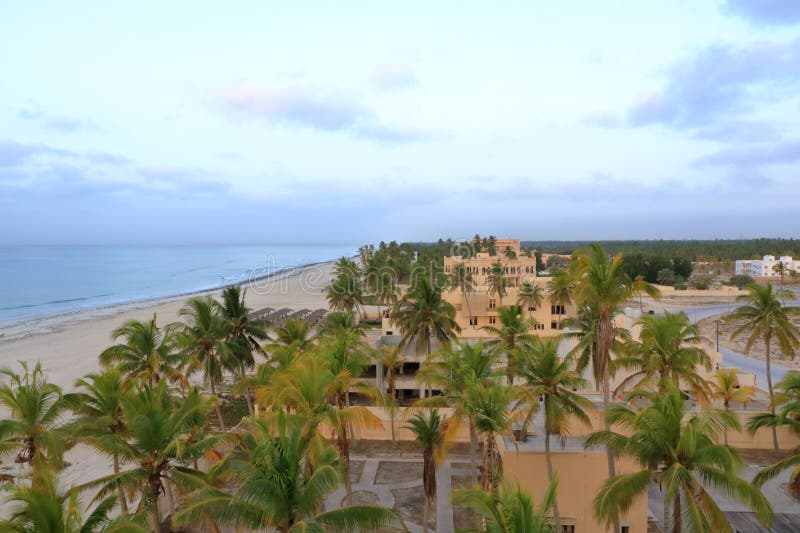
[{"x": 368, "y": 489}]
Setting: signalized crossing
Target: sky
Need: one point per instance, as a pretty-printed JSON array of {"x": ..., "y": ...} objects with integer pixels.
[{"x": 352, "y": 122}]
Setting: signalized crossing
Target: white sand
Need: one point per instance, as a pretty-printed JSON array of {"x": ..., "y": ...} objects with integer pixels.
[{"x": 67, "y": 346}]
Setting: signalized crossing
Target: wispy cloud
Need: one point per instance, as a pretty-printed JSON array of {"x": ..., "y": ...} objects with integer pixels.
[
  {"x": 770, "y": 12},
  {"x": 718, "y": 81},
  {"x": 318, "y": 108},
  {"x": 394, "y": 77},
  {"x": 57, "y": 123},
  {"x": 751, "y": 156},
  {"x": 713, "y": 93}
]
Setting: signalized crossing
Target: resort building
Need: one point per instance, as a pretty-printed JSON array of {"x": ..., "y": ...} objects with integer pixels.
[
  {"x": 479, "y": 307},
  {"x": 768, "y": 267}
]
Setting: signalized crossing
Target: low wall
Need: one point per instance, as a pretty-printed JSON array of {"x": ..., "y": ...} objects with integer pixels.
[
  {"x": 761, "y": 439},
  {"x": 383, "y": 430}
]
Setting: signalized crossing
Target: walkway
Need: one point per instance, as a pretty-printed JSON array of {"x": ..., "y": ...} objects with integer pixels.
[{"x": 405, "y": 494}]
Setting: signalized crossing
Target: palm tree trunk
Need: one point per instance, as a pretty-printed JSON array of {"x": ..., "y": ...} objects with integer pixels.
[
  {"x": 344, "y": 455},
  {"x": 665, "y": 526},
  {"x": 216, "y": 406},
  {"x": 123, "y": 504},
  {"x": 426, "y": 505},
  {"x": 767, "y": 338},
  {"x": 473, "y": 445},
  {"x": 550, "y": 475},
  {"x": 155, "y": 514},
  {"x": 677, "y": 526},
  {"x": 249, "y": 403},
  {"x": 605, "y": 353}
]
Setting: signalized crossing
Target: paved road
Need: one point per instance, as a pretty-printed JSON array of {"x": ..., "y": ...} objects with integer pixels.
[{"x": 735, "y": 359}]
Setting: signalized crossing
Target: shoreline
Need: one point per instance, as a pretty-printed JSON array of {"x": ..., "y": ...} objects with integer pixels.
[{"x": 22, "y": 328}]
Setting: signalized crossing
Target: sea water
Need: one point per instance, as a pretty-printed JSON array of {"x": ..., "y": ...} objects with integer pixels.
[{"x": 37, "y": 281}]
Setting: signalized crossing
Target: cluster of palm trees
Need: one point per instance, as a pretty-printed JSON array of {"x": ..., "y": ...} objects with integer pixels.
[
  {"x": 147, "y": 414},
  {"x": 173, "y": 455},
  {"x": 663, "y": 364}
]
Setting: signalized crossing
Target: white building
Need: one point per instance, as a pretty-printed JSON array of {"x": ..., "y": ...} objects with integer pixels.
[{"x": 765, "y": 268}]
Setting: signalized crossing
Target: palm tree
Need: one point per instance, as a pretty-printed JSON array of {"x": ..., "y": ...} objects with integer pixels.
[
  {"x": 244, "y": 335},
  {"x": 313, "y": 388},
  {"x": 765, "y": 318},
  {"x": 156, "y": 444},
  {"x": 391, "y": 360},
  {"x": 789, "y": 415},
  {"x": 780, "y": 267},
  {"x": 530, "y": 295},
  {"x": 511, "y": 335},
  {"x": 203, "y": 341},
  {"x": 422, "y": 314},
  {"x": 35, "y": 430},
  {"x": 148, "y": 354},
  {"x": 461, "y": 280},
  {"x": 549, "y": 378},
  {"x": 342, "y": 324},
  {"x": 279, "y": 481},
  {"x": 294, "y": 332},
  {"x": 639, "y": 287},
  {"x": 511, "y": 510},
  {"x": 98, "y": 403},
  {"x": 346, "y": 294},
  {"x": 679, "y": 453},
  {"x": 429, "y": 431},
  {"x": 385, "y": 289},
  {"x": 669, "y": 351},
  {"x": 488, "y": 404},
  {"x": 42, "y": 508},
  {"x": 560, "y": 289},
  {"x": 725, "y": 387},
  {"x": 453, "y": 370},
  {"x": 583, "y": 329},
  {"x": 602, "y": 286},
  {"x": 345, "y": 266},
  {"x": 497, "y": 282}
]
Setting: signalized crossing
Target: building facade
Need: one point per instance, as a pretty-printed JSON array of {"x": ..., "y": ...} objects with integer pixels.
[
  {"x": 479, "y": 307},
  {"x": 768, "y": 267}
]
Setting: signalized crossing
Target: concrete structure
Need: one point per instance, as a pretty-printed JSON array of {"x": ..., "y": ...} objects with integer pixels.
[{"x": 766, "y": 267}]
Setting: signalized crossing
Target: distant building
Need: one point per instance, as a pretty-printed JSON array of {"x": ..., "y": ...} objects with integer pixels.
[{"x": 766, "y": 267}]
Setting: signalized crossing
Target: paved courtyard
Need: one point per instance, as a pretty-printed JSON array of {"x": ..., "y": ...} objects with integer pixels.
[{"x": 397, "y": 484}]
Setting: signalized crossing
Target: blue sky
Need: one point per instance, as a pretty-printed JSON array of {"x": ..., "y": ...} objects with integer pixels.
[{"x": 350, "y": 122}]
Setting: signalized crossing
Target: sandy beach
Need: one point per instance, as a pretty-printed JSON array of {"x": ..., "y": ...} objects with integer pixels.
[{"x": 67, "y": 346}]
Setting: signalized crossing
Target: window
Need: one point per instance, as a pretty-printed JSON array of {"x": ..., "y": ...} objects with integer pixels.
[
  {"x": 492, "y": 320},
  {"x": 553, "y": 325},
  {"x": 531, "y": 308},
  {"x": 571, "y": 529},
  {"x": 625, "y": 529},
  {"x": 558, "y": 310},
  {"x": 473, "y": 321},
  {"x": 492, "y": 303}
]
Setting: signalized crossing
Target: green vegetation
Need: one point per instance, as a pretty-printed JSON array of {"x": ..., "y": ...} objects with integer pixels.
[{"x": 174, "y": 462}]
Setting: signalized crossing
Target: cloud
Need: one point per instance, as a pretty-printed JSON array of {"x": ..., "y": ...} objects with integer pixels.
[
  {"x": 106, "y": 158},
  {"x": 13, "y": 153},
  {"x": 394, "y": 77},
  {"x": 56, "y": 122},
  {"x": 752, "y": 156},
  {"x": 712, "y": 93},
  {"x": 178, "y": 180},
  {"x": 768, "y": 12},
  {"x": 316, "y": 108},
  {"x": 717, "y": 82}
]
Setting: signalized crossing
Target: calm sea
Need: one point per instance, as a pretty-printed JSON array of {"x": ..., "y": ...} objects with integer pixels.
[{"x": 44, "y": 280}]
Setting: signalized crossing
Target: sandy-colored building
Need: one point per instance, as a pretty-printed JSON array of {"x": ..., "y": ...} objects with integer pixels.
[{"x": 479, "y": 308}]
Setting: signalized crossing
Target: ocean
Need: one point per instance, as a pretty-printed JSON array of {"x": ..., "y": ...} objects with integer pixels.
[{"x": 37, "y": 281}]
